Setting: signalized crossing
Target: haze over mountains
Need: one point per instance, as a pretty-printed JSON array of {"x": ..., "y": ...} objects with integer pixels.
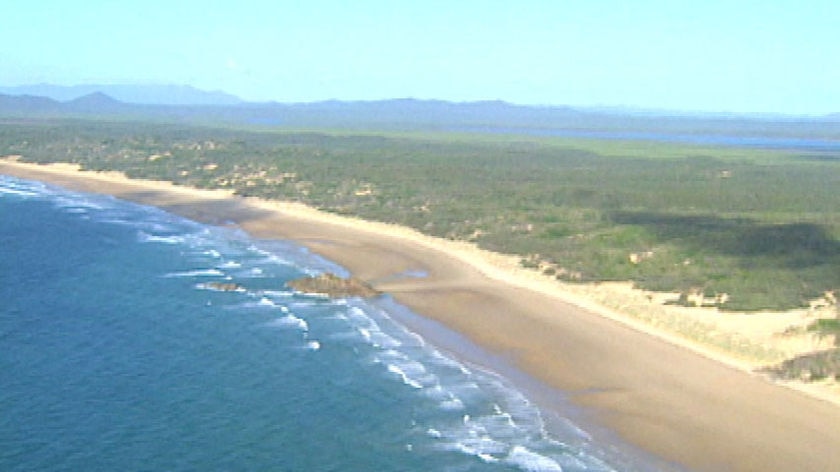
[
  {"x": 138, "y": 94},
  {"x": 172, "y": 94},
  {"x": 178, "y": 103}
]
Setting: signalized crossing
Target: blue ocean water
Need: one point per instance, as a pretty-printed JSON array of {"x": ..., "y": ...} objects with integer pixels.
[{"x": 117, "y": 353}]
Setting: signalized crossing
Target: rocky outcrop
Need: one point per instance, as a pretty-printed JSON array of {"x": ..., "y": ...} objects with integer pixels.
[
  {"x": 334, "y": 286},
  {"x": 223, "y": 286}
]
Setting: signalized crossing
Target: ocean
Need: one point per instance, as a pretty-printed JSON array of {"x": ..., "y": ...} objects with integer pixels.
[{"x": 120, "y": 351}]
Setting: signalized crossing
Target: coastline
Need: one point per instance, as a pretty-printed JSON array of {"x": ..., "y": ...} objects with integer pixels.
[{"x": 704, "y": 411}]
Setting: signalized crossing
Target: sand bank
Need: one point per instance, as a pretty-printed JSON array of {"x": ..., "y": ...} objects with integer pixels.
[{"x": 677, "y": 399}]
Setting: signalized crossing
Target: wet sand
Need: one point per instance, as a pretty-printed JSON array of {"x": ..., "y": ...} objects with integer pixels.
[{"x": 653, "y": 392}]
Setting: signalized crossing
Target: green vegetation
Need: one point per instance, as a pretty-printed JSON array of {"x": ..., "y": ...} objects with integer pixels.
[
  {"x": 809, "y": 367},
  {"x": 761, "y": 227},
  {"x": 828, "y": 326}
]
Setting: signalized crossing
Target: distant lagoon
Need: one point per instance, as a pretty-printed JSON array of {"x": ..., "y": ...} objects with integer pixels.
[{"x": 761, "y": 142}]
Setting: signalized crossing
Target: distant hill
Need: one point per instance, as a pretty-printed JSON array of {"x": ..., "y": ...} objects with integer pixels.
[
  {"x": 137, "y": 94},
  {"x": 27, "y": 104},
  {"x": 495, "y": 117},
  {"x": 96, "y": 102}
]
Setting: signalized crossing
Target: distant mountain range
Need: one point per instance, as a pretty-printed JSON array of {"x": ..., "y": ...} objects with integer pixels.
[
  {"x": 137, "y": 94},
  {"x": 188, "y": 105}
]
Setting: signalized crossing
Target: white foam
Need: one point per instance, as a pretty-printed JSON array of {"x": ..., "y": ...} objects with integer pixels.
[
  {"x": 405, "y": 378},
  {"x": 530, "y": 461},
  {"x": 230, "y": 265},
  {"x": 337, "y": 316},
  {"x": 213, "y": 253},
  {"x": 370, "y": 330},
  {"x": 466, "y": 389},
  {"x": 289, "y": 321},
  {"x": 14, "y": 191},
  {"x": 313, "y": 345},
  {"x": 501, "y": 423},
  {"x": 482, "y": 447},
  {"x": 265, "y": 301},
  {"x": 449, "y": 362},
  {"x": 313, "y": 296},
  {"x": 153, "y": 226},
  {"x": 76, "y": 210},
  {"x": 26, "y": 188},
  {"x": 68, "y": 202},
  {"x": 486, "y": 457},
  {"x": 518, "y": 409},
  {"x": 474, "y": 439},
  {"x": 112, "y": 220},
  {"x": 151, "y": 238},
  {"x": 381, "y": 339},
  {"x": 413, "y": 368},
  {"x": 300, "y": 303},
  {"x": 412, "y": 372},
  {"x": 357, "y": 313},
  {"x": 452, "y": 404},
  {"x": 270, "y": 258},
  {"x": 418, "y": 340},
  {"x": 197, "y": 273},
  {"x": 437, "y": 392}
]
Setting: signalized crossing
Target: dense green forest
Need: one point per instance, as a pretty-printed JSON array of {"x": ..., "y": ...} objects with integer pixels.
[{"x": 746, "y": 229}]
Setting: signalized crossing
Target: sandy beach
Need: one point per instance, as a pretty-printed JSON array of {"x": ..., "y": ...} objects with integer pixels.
[{"x": 678, "y": 400}]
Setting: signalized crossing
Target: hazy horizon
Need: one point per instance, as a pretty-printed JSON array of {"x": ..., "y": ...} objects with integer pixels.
[{"x": 736, "y": 57}]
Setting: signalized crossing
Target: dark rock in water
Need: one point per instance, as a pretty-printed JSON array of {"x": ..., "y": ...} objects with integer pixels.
[
  {"x": 224, "y": 286},
  {"x": 334, "y": 286}
]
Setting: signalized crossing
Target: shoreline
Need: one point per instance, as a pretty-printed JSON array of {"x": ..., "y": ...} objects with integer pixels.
[
  {"x": 678, "y": 400},
  {"x": 573, "y": 425}
]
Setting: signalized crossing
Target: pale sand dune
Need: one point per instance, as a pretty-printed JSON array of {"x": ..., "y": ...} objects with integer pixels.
[{"x": 610, "y": 347}]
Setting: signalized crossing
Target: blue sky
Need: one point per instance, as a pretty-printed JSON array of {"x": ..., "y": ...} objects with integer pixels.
[{"x": 741, "y": 56}]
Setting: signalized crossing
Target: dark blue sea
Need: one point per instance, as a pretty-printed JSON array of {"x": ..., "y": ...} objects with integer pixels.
[{"x": 118, "y": 352}]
